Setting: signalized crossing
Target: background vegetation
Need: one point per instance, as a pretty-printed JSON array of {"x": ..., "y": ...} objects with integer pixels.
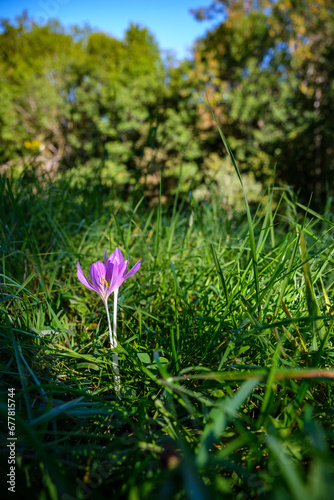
[
  {"x": 225, "y": 348},
  {"x": 84, "y": 102}
]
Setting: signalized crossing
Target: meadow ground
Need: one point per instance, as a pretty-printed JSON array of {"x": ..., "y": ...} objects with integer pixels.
[{"x": 225, "y": 347}]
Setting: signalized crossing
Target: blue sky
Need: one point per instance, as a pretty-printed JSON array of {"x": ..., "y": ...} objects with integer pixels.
[{"x": 169, "y": 21}]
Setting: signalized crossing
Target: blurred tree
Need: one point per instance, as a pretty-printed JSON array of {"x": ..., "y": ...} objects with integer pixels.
[
  {"x": 268, "y": 69},
  {"x": 32, "y": 102},
  {"x": 113, "y": 111},
  {"x": 108, "y": 109}
]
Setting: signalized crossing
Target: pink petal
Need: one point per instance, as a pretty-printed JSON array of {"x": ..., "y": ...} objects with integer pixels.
[
  {"x": 109, "y": 271},
  {"x": 97, "y": 274},
  {"x": 83, "y": 278},
  {"x": 118, "y": 255},
  {"x": 133, "y": 270},
  {"x": 116, "y": 273},
  {"x": 118, "y": 276}
]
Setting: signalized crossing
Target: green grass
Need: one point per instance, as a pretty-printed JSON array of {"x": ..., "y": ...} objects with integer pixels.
[{"x": 225, "y": 347}]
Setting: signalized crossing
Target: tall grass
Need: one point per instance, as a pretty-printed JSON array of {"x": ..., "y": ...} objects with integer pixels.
[{"x": 225, "y": 347}]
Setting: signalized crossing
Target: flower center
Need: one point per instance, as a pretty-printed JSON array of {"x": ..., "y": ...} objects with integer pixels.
[{"x": 103, "y": 280}]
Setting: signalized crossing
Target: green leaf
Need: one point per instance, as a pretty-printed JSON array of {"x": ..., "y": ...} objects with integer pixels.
[
  {"x": 144, "y": 357},
  {"x": 219, "y": 417}
]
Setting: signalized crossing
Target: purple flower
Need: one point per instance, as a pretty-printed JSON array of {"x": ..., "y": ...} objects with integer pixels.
[{"x": 108, "y": 277}]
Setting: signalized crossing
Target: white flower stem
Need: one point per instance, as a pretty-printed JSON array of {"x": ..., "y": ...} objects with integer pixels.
[
  {"x": 115, "y": 316},
  {"x": 117, "y": 378},
  {"x": 113, "y": 341},
  {"x": 109, "y": 325},
  {"x": 114, "y": 355}
]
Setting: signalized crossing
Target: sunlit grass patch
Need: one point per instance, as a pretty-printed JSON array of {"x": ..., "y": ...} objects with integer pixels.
[{"x": 224, "y": 346}]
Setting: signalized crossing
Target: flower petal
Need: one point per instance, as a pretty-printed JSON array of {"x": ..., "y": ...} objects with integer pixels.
[
  {"x": 83, "y": 278},
  {"x": 118, "y": 255},
  {"x": 117, "y": 274},
  {"x": 109, "y": 271},
  {"x": 117, "y": 278},
  {"x": 121, "y": 271},
  {"x": 126, "y": 267},
  {"x": 97, "y": 273},
  {"x": 112, "y": 271},
  {"x": 133, "y": 270},
  {"x": 111, "y": 258}
]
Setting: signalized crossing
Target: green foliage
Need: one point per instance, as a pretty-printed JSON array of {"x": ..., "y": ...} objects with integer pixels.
[
  {"x": 225, "y": 334},
  {"x": 85, "y": 102},
  {"x": 268, "y": 68},
  {"x": 93, "y": 105},
  {"x": 224, "y": 391}
]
